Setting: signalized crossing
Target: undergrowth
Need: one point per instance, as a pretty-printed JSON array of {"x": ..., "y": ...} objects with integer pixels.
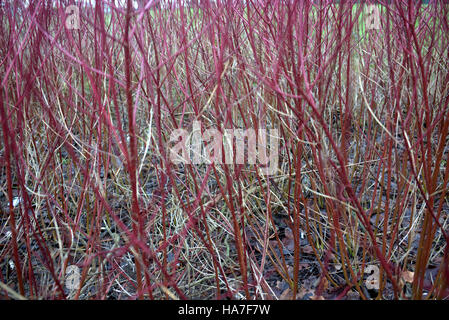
[{"x": 86, "y": 177}]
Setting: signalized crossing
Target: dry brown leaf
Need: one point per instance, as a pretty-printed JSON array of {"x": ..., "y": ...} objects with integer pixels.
[
  {"x": 279, "y": 284},
  {"x": 286, "y": 295},
  {"x": 325, "y": 284},
  {"x": 288, "y": 233},
  {"x": 302, "y": 292},
  {"x": 352, "y": 295},
  {"x": 408, "y": 276},
  {"x": 307, "y": 249}
]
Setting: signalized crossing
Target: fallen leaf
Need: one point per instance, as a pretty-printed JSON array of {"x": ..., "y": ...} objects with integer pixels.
[
  {"x": 289, "y": 244},
  {"x": 408, "y": 276},
  {"x": 286, "y": 295},
  {"x": 288, "y": 233},
  {"x": 279, "y": 284},
  {"x": 307, "y": 249},
  {"x": 302, "y": 292},
  {"x": 352, "y": 295}
]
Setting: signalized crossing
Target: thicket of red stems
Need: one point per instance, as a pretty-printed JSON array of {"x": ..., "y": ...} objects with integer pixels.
[{"x": 86, "y": 117}]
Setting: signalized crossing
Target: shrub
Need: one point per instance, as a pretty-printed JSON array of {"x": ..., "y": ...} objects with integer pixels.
[{"x": 90, "y": 95}]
